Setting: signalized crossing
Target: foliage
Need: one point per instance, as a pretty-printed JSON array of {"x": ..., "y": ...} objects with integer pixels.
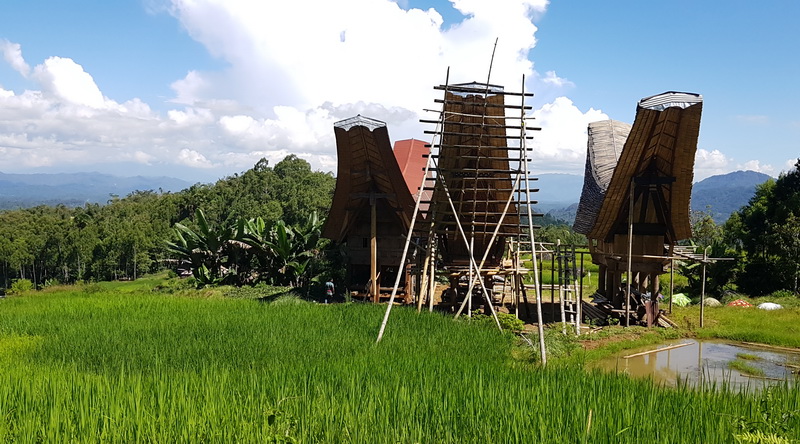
[
  {"x": 128, "y": 237},
  {"x": 767, "y": 229},
  {"x": 20, "y": 286},
  {"x": 249, "y": 253},
  {"x": 562, "y": 232},
  {"x": 508, "y": 322},
  {"x": 772, "y": 425},
  {"x": 719, "y": 274},
  {"x": 131, "y": 365}
]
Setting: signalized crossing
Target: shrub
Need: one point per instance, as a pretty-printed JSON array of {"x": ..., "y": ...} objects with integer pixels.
[
  {"x": 508, "y": 322},
  {"x": 20, "y": 286},
  {"x": 783, "y": 294}
]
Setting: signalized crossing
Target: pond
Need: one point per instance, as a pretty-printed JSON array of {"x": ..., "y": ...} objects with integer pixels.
[{"x": 694, "y": 362}]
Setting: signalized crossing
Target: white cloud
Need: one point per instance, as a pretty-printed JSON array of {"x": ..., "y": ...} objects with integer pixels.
[
  {"x": 551, "y": 78},
  {"x": 12, "y": 53},
  {"x": 67, "y": 81},
  {"x": 755, "y": 165},
  {"x": 193, "y": 159},
  {"x": 710, "y": 163},
  {"x": 561, "y": 145},
  {"x": 293, "y": 69}
]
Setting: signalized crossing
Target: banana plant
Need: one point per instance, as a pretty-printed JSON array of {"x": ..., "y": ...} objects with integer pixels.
[{"x": 205, "y": 249}]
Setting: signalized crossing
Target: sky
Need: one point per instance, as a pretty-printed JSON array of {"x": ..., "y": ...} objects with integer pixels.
[{"x": 202, "y": 89}]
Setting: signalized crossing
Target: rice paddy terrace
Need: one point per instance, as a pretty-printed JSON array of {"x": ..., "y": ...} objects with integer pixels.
[{"x": 124, "y": 362}]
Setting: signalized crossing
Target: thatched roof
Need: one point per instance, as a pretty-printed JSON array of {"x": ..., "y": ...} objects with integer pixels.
[
  {"x": 660, "y": 149},
  {"x": 473, "y": 159},
  {"x": 606, "y": 139},
  {"x": 367, "y": 169}
]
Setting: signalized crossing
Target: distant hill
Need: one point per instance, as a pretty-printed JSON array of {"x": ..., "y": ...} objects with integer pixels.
[
  {"x": 557, "y": 191},
  {"x": 725, "y": 193},
  {"x": 722, "y": 194},
  {"x": 75, "y": 189}
]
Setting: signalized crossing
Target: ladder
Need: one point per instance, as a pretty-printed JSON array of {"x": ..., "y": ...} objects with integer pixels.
[{"x": 568, "y": 289}]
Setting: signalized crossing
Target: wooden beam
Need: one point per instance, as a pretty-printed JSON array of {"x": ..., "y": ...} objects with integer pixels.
[{"x": 373, "y": 253}]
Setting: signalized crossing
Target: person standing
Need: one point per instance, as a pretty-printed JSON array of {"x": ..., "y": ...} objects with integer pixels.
[{"x": 329, "y": 290}]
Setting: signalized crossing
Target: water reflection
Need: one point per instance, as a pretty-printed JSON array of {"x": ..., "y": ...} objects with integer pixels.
[{"x": 706, "y": 361}]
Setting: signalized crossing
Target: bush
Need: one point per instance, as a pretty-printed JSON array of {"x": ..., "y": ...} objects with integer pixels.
[
  {"x": 508, "y": 322},
  {"x": 20, "y": 286},
  {"x": 783, "y": 294}
]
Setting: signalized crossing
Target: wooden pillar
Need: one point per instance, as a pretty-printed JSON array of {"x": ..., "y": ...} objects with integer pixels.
[
  {"x": 671, "y": 282},
  {"x": 703, "y": 287},
  {"x": 432, "y": 279},
  {"x": 423, "y": 287},
  {"x": 373, "y": 252}
]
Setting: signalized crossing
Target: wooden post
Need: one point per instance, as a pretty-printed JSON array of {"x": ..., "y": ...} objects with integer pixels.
[
  {"x": 423, "y": 286},
  {"x": 630, "y": 254},
  {"x": 703, "y": 286},
  {"x": 432, "y": 277},
  {"x": 601, "y": 282},
  {"x": 373, "y": 252},
  {"x": 553, "y": 282}
]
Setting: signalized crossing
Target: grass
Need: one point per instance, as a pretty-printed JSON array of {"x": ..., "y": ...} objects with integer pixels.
[
  {"x": 748, "y": 357},
  {"x": 120, "y": 362},
  {"x": 777, "y": 327},
  {"x": 612, "y": 340},
  {"x": 745, "y": 367}
]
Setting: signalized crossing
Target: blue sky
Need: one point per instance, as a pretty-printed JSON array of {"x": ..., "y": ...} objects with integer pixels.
[{"x": 202, "y": 89}]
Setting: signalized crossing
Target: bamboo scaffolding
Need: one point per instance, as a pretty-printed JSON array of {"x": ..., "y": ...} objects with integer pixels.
[{"x": 479, "y": 209}]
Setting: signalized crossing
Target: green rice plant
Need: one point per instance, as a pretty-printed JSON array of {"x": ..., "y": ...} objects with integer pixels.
[
  {"x": 128, "y": 364},
  {"x": 748, "y": 357}
]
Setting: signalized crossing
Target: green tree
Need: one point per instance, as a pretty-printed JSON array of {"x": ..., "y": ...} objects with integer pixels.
[{"x": 766, "y": 232}]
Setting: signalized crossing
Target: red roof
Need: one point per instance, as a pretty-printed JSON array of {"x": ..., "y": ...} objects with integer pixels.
[
  {"x": 409, "y": 157},
  {"x": 409, "y": 154}
]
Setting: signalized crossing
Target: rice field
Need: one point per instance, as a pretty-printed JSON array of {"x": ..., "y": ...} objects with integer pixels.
[{"x": 122, "y": 363}]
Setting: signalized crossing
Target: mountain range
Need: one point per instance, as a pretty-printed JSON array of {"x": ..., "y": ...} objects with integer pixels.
[
  {"x": 558, "y": 194},
  {"x": 719, "y": 195},
  {"x": 75, "y": 189},
  {"x": 722, "y": 195}
]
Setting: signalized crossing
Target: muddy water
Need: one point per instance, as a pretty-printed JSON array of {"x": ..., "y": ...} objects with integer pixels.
[{"x": 706, "y": 362}]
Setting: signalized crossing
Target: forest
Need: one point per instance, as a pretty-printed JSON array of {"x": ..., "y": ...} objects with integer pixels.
[
  {"x": 273, "y": 215},
  {"x": 129, "y": 236}
]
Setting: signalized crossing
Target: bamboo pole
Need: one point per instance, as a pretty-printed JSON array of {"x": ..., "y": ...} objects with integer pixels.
[
  {"x": 703, "y": 286},
  {"x": 774, "y": 347},
  {"x": 671, "y": 282},
  {"x": 534, "y": 259},
  {"x": 553, "y": 283},
  {"x": 408, "y": 240},
  {"x": 671, "y": 347},
  {"x": 491, "y": 241},
  {"x": 432, "y": 275}
]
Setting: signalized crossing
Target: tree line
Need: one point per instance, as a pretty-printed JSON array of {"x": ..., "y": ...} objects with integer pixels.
[
  {"x": 129, "y": 236},
  {"x": 263, "y": 225}
]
